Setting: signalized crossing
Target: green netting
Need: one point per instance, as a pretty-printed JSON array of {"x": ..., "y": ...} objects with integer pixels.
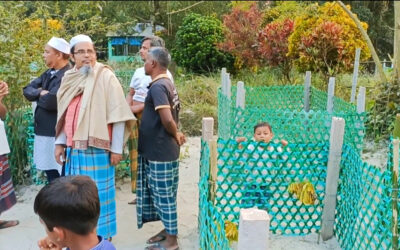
[
  {"x": 211, "y": 224},
  {"x": 260, "y": 174},
  {"x": 363, "y": 211},
  {"x": 282, "y": 107}
]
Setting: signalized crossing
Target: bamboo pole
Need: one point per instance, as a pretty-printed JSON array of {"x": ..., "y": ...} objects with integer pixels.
[
  {"x": 395, "y": 196},
  {"x": 381, "y": 73},
  {"x": 396, "y": 56},
  {"x": 355, "y": 75}
]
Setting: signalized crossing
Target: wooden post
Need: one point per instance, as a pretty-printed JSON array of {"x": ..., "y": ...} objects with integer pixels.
[
  {"x": 307, "y": 85},
  {"x": 331, "y": 94},
  {"x": 395, "y": 195},
  {"x": 240, "y": 95},
  {"x": 213, "y": 170},
  {"x": 361, "y": 100},
  {"x": 332, "y": 177},
  {"x": 253, "y": 229},
  {"x": 355, "y": 75}
]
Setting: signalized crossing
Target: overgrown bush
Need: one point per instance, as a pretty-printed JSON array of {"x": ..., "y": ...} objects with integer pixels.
[
  {"x": 241, "y": 29},
  {"x": 325, "y": 39},
  {"x": 198, "y": 96},
  {"x": 195, "y": 47},
  {"x": 273, "y": 46}
]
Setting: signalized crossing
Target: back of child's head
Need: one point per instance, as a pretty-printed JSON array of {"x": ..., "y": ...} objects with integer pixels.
[
  {"x": 262, "y": 124},
  {"x": 71, "y": 202}
]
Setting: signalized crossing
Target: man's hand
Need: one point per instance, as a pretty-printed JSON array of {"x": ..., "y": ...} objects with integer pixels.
[
  {"x": 3, "y": 89},
  {"x": 180, "y": 138},
  {"x": 59, "y": 153},
  {"x": 43, "y": 92},
  {"x": 47, "y": 244},
  {"x": 115, "y": 158}
]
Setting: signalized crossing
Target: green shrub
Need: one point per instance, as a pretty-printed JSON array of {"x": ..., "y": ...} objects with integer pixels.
[{"x": 195, "y": 47}]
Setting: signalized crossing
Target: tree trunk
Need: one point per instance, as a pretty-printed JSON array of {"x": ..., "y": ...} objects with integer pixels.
[{"x": 382, "y": 76}]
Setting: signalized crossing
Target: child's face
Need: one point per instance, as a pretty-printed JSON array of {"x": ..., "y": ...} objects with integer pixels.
[{"x": 263, "y": 134}]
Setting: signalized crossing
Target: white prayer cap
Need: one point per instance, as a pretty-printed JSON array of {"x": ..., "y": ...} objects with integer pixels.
[
  {"x": 78, "y": 39},
  {"x": 59, "y": 44}
]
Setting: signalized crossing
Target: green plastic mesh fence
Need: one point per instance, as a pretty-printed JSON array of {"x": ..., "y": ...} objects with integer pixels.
[
  {"x": 258, "y": 174},
  {"x": 363, "y": 211},
  {"x": 211, "y": 224},
  {"x": 282, "y": 107}
]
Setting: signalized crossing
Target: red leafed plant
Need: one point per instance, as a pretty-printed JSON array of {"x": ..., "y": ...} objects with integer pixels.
[
  {"x": 241, "y": 30},
  {"x": 323, "y": 49},
  {"x": 273, "y": 45}
]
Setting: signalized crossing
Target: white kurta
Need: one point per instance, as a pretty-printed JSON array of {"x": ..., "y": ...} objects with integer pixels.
[{"x": 43, "y": 153}]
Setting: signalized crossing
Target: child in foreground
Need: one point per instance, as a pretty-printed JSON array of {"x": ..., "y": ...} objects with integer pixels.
[{"x": 69, "y": 208}]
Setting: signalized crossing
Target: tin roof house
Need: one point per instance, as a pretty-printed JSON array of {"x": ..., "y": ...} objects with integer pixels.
[{"x": 126, "y": 46}]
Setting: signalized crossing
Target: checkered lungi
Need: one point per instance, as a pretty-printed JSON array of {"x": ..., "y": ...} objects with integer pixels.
[
  {"x": 7, "y": 194},
  {"x": 157, "y": 186},
  {"x": 133, "y": 151},
  {"x": 95, "y": 163}
]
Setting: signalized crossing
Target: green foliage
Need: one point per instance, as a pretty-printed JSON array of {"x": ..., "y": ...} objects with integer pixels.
[
  {"x": 384, "y": 107},
  {"x": 273, "y": 45},
  {"x": 241, "y": 28},
  {"x": 198, "y": 96},
  {"x": 283, "y": 10},
  {"x": 17, "y": 123},
  {"x": 325, "y": 39},
  {"x": 380, "y": 18},
  {"x": 196, "y": 41}
]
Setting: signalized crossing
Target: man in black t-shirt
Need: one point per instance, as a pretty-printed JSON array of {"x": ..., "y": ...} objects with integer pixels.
[{"x": 159, "y": 143}]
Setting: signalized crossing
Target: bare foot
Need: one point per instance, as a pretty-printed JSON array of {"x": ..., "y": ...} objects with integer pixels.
[{"x": 162, "y": 235}]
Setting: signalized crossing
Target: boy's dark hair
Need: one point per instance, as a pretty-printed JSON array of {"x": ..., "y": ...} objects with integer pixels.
[
  {"x": 71, "y": 202},
  {"x": 262, "y": 124}
]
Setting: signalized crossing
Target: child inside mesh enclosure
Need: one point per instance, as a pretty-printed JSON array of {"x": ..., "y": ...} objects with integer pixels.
[
  {"x": 256, "y": 190},
  {"x": 262, "y": 133},
  {"x": 69, "y": 208}
]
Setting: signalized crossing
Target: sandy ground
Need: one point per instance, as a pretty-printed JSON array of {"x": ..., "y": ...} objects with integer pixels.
[{"x": 25, "y": 235}]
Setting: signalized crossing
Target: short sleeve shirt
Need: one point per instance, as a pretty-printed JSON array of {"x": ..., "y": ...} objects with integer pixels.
[
  {"x": 140, "y": 83},
  {"x": 155, "y": 143}
]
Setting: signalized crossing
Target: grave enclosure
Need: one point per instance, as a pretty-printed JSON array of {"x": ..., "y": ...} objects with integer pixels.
[{"x": 359, "y": 203}]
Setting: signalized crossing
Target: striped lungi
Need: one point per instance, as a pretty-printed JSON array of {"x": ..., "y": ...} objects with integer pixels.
[
  {"x": 95, "y": 163},
  {"x": 157, "y": 186},
  {"x": 133, "y": 151},
  {"x": 7, "y": 194}
]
